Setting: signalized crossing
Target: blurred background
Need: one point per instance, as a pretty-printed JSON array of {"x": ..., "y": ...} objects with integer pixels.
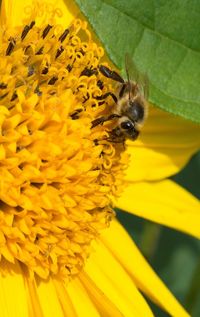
[{"x": 174, "y": 256}]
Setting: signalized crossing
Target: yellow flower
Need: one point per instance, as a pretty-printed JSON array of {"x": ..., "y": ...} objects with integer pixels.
[{"x": 59, "y": 177}]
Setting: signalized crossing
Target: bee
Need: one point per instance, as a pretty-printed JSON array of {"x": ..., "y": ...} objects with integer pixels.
[{"x": 130, "y": 103}]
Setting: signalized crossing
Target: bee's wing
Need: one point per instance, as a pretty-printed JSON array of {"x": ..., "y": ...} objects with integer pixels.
[
  {"x": 134, "y": 75},
  {"x": 144, "y": 85},
  {"x": 131, "y": 69}
]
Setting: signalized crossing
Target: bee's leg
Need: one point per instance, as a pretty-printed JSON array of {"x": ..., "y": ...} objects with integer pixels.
[
  {"x": 116, "y": 140},
  {"x": 106, "y": 95},
  {"x": 116, "y": 136},
  {"x": 116, "y": 133},
  {"x": 110, "y": 74},
  {"x": 103, "y": 119},
  {"x": 121, "y": 93}
]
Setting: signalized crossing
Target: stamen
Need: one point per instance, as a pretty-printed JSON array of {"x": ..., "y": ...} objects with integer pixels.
[
  {"x": 52, "y": 80},
  {"x": 59, "y": 51},
  {"x": 46, "y": 31},
  {"x": 3, "y": 86},
  {"x": 64, "y": 35},
  {"x": 89, "y": 72},
  {"x": 10, "y": 47},
  {"x": 26, "y": 29},
  {"x": 40, "y": 51}
]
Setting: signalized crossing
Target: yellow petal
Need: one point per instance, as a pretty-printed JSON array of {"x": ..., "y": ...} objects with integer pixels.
[
  {"x": 13, "y": 297},
  {"x": 80, "y": 299},
  {"x": 166, "y": 144},
  {"x": 47, "y": 298},
  {"x": 103, "y": 303},
  {"x": 110, "y": 277},
  {"x": 44, "y": 296},
  {"x": 35, "y": 308},
  {"x": 125, "y": 251},
  {"x": 163, "y": 202},
  {"x": 15, "y": 11},
  {"x": 64, "y": 299}
]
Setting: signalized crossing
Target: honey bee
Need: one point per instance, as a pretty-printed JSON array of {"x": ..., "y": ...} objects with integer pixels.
[{"x": 131, "y": 108}]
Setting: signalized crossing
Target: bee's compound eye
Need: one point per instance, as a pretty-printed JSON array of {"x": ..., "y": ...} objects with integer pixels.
[
  {"x": 126, "y": 125},
  {"x": 136, "y": 111}
]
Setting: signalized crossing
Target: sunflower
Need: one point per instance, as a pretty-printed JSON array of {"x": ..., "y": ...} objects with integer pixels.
[{"x": 62, "y": 251}]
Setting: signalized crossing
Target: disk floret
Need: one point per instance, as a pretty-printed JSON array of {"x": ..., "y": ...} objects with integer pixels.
[{"x": 58, "y": 175}]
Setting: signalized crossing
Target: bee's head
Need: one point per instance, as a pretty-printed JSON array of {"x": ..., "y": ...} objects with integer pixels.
[
  {"x": 136, "y": 111},
  {"x": 128, "y": 129}
]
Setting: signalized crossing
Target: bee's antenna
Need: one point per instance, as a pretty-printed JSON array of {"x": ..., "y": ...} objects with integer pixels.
[{"x": 128, "y": 77}]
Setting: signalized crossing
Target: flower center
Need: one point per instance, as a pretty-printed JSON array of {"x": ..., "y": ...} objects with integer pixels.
[{"x": 58, "y": 175}]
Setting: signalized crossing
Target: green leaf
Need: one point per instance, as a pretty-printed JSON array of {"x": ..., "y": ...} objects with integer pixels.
[{"x": 163, "y": 39}]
